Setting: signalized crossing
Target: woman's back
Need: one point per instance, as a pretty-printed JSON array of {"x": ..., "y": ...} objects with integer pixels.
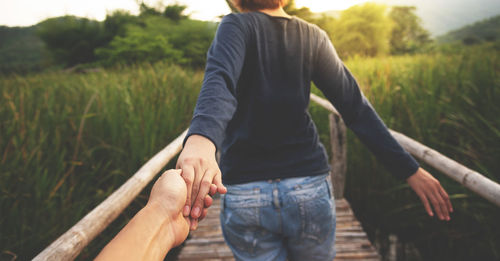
[{"x": 271, "y": 134}]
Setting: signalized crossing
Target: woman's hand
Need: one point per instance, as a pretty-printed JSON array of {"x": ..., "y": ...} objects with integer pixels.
[
  {"x": 199, "y": 170},
  {"x": 429, "y": 189}
]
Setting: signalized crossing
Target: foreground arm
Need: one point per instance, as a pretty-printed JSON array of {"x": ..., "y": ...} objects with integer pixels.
[
  {"x": 157, "y": 227},
  {"x": 342, "y": 90}
]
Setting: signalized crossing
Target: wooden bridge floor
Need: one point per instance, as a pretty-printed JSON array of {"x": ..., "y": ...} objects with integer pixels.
[{"x": 207, "y": 243}]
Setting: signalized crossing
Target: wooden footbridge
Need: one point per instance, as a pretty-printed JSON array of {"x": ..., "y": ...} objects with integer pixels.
[{"x": 206, "y": 243}]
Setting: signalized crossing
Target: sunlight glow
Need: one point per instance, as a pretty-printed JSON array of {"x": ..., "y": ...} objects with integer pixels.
[
  {"x": 322, "y": 5},
  {"x": 29, "y": 12}
]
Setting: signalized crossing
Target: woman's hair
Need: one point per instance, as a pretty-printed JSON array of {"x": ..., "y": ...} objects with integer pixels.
[{"x": 254, "y": 5}]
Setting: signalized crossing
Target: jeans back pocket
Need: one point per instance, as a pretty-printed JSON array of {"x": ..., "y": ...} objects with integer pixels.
[
  {"x": 318, "y": 214},
  {"x": 240, "y": 220}
]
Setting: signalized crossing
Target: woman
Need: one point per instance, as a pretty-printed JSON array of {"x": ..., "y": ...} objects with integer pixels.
[{"x": 253, "y": 109}]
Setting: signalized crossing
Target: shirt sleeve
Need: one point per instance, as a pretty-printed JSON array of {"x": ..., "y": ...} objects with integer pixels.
[
  {"x": 341, "y": 89},
  {"x": 217, "y": 102}
]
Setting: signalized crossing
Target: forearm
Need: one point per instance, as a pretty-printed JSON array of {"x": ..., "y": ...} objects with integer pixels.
[
  {"x": 371, "y": 130},
  {"x": 146, "y": 237}
]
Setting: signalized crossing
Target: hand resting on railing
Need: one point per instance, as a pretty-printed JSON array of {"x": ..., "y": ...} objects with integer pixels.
[{"x": 159, "y": 226}]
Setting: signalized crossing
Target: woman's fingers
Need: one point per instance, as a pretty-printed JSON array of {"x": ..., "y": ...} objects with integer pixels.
[
  {"x": 218, "y": 182},
  {"x": 425, "y": 201},
  {"x": 203, "y": 214},
  {"x": 208, "y": 201},
  {"x": 446, "y": 199},
  {"x": 438, "y": 205},
  {"x": 430, "y": 190},
  {"x": 188, "y": 176},
  {"x": 213, "y": 190},
  {"x": 193, "y": 224},
  {"x": 204, "y": 189},
  {"x": 199, "y": 173}
]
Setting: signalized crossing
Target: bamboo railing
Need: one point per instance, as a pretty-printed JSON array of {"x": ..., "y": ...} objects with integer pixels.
[{"x": 73, "y": 241}]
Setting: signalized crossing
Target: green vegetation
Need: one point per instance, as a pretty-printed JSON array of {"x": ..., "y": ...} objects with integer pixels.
[
  {"x": 52, "y": 174},
  {"x": 487, "y": 30},
  {"x": 183, "y": 42},
  {"x": 20, "y": 49},
  {"x": 69, "y": 139},
  {"x": 133, "y": 112},
  {"x": 450, "y": 103},
  {"x": 362, "y": 30},
  {"x": 369, "y": 30},
  {"x": 407, "y": 35},
  {"x": 69, "y": 41},
  {"x": 72, "y": 40}
]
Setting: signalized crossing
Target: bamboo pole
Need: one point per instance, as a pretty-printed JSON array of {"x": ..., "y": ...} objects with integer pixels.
[
  {"x": 71, "y": 243},
  {"x": 324, "y": 103},
  {"x": 470, "y": 179}
]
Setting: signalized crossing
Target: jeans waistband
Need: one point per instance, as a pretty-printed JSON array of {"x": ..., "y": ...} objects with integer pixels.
[{"x": 289, "y": 183}]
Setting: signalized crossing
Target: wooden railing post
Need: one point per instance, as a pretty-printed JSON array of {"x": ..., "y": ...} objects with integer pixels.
[{"x": 338, "y": 141}]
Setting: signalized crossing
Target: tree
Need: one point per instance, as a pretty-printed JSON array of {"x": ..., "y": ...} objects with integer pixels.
[
  {"x": 174, "y": 12},
  {"x": 304, "y": 12},
  {"x": 407, "y": 34},
  {"x": 116, "y": 23},
  {"x": 72, "y": 40},
  {"x": 232, "y": 7},
  {"x": 157, "y": 38},
  {"x": 140, "y": 44},
  {"x": 361, "y": 30},
  {"x": 146, "y": 10}
]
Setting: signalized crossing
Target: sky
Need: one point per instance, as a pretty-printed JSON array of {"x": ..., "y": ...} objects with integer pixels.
[{"x": 29, "y": 12}]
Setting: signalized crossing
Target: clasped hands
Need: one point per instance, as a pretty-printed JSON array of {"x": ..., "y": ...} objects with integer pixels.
[{"x": 202, "y": 175}]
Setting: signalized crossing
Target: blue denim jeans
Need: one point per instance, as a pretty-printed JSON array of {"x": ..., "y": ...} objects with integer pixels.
[{"x": 283, "y": 219}]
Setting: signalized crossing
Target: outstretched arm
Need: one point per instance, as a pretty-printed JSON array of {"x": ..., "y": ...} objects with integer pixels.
[
  {"x": 156, "y": 228},
  {"x": 215, "y": 107},
  {"x": 341, "y": 89}
]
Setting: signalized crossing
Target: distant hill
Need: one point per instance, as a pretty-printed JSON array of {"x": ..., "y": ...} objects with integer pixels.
[
  {"x": 21, "y": 49},
  {"x": 486, "y": 30},
  {"x": 442, "y": 16}
]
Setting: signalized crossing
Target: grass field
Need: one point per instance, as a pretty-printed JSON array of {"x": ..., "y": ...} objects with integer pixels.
[
  {"x": 450, "y": 102},
  {"x": 68, "y": 140}
]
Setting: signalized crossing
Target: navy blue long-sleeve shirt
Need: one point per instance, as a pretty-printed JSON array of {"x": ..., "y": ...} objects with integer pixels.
[{"x": 255, "y": 94}]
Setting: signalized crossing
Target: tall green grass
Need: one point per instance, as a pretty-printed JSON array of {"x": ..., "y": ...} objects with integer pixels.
[
  {"x": 450, "y": 102},
  {"x": 69, "y": 140},
  {"x": 90, "y": 132}
]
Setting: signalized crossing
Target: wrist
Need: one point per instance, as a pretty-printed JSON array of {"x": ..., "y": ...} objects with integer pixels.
[
  {"x": 201, "y": 142},
  {"x": 161, "y": 219},
  {"x": 414, "y": 174}
]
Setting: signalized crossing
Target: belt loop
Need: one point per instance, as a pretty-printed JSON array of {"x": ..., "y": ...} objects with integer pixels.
[{"x": 276, "y": 200}]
